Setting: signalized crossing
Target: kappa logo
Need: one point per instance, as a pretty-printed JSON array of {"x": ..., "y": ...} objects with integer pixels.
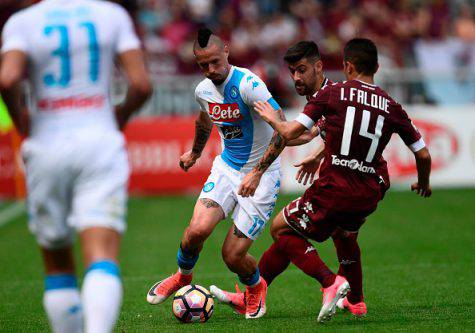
[
  {"x": 310, "y": 249},
  {"x": 74, "y": 309},
  {"x": 303, "y": 221}
]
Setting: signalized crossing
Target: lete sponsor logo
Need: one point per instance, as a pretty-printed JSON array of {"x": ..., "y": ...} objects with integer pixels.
[
  {"x": 441, "y": 140},
  {"x": 225, "y": 112}
]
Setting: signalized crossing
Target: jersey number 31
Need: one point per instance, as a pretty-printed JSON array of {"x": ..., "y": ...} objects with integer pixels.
[{"x": 64, "y": 54}]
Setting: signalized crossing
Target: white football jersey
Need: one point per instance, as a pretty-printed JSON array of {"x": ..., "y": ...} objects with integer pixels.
[
  {"x": 71, "y": 46},
  {"x": 244, "y": 135}
]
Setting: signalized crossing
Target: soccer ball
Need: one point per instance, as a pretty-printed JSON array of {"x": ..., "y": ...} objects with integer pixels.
[{"x": 193, "y": 303}]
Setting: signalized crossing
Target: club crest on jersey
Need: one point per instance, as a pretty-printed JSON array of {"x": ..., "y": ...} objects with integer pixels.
[
  {"x": 234, "y": 92},
  {"x": 225, "y": 112}
]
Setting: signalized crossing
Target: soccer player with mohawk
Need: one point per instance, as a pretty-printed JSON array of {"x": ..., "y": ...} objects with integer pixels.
[{"x": 244, "y": 179}]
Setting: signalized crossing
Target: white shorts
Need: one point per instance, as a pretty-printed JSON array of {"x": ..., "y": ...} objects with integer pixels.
[
  {"x": 75, "y": 183},
  {"x": 250, "y": 214}
]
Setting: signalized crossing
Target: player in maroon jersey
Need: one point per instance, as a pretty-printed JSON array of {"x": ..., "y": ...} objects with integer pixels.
[
  {"x": 306, "y": 69},
  {"x": 360, "y": 119}
]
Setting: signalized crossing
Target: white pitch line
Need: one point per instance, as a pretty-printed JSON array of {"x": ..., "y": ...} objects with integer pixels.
[{"x": 11, "y": 212}]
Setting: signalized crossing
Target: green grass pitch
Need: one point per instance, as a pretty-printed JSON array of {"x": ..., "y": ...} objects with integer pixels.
[{"x": 418, "y": 263}]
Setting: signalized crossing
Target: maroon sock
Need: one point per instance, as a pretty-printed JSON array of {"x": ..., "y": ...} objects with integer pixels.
[
  {"x": 272, "y": 263},
  {"x": 349, "y": 256},
  {"x": 303, "y": 255}
]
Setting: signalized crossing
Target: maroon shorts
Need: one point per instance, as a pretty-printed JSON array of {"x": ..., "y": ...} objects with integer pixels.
[{"x": 314, "y": 220}]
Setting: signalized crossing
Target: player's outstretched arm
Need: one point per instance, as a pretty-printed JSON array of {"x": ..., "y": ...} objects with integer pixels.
[
  {"x": 139, "y": 85},
  {"x": 289, "y": 130},
  {"x": 251, "y": 181},
  {"x": 12, "y": 70},
  {"x": 423, "y": 162},
  {"x": 304, "y": 138},
  {"x": 203, "y": 127}
]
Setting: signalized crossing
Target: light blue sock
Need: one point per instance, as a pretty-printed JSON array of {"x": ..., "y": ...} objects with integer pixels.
[{"x": 251, "y": 280}]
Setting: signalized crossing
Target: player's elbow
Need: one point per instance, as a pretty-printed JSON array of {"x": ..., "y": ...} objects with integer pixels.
[
  {"x": 146, "y": 89},
  {"x": 143, "y": 88}
]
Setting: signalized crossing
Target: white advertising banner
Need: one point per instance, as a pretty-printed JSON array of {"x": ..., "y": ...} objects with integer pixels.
[{"x": 449, "y": 133}]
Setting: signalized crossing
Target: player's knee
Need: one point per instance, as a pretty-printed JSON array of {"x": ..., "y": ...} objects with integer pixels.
[
  {"x": 195, "y": 235},
  {"x": 276, "y": 231},
  {"x": 279, "y": 227}
]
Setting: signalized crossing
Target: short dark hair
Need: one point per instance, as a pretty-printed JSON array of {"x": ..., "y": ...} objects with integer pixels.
[
  {"x": 363, "y": 54},
  {"x": 302, "y": 50},
  {"x": 203, "y": 37}
]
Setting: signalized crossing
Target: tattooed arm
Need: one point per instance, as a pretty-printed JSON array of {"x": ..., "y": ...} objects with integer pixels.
[
  {"x": 203, "y": 127},
  {"x": 251, "y": 181},
  {"x": 277, "y": 144}
]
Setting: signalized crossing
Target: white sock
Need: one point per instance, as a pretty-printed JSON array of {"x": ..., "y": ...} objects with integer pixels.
[
  {"x": 63, "y": 305},
  {"x": 185, "y": 271},
  {"x": 101, "y": 297}
]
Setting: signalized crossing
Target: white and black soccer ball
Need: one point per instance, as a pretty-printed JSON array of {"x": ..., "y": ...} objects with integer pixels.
[{"x": 192, "y": 304}]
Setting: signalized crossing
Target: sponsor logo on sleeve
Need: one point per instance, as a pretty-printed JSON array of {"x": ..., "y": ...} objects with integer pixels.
[{"x": 208, "y": 187}]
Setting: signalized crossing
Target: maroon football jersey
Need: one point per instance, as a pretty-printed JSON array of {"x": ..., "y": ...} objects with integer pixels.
[{"x": 360, "y": 119}]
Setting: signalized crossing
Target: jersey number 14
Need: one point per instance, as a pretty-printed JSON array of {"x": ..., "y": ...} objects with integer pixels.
[
  {"x": 348, "y": 131},
  {"x": 64, "y": 54}
]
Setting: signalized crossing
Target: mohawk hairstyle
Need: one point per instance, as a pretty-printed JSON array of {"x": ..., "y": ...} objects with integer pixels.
[
  {"x": 302, "y": 50},
  {"x": 204, "y": 35}
]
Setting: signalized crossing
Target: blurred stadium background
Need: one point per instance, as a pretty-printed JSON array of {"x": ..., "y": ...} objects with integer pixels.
[{"x": 427, "y": 62}]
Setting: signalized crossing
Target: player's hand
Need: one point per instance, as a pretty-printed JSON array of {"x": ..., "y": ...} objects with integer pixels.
[
  {"x": 249, "y": 184},
  {"x": 307, "y": 169},
  {"x": 266, "y": 111},
  {"x": 314, "y": 131},
  {"x": 188, "y": 159},
  {"x": 423, "y": 191}
]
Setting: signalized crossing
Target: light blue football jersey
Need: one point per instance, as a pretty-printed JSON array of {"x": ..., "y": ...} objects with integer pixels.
[{"x": 245, "y": 136}]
